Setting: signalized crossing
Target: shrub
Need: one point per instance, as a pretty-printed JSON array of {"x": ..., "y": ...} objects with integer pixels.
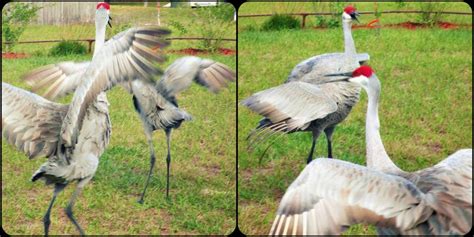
[
  {"x": 279, "y": 22},
  {"x": 178, "y": 26},
  {"x": 214, "y": 24},
  {"x": 68, "y": 47},
  {"x": 430, "y": 16},
  {"x": 333, "y": 20},
  {"x": 323, "y": 22},
  {"x": 250, "y": 28},
  {"x": 15, "y": 17}
]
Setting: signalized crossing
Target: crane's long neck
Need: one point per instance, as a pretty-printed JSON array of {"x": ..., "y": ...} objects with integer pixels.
[
  {"x": 377, "y": 157},
  {"x": 99, "y": 37},
  {"x": 99, "y": 43},
  {"x": 349, "y": 46}
]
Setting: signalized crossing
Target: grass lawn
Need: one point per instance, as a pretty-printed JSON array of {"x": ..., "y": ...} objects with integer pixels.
[
  {"x": 425, "y": 110},
  {"x": 202, "y": 191}
]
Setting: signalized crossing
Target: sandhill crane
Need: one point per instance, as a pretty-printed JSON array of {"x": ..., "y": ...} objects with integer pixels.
[
  {"x": 162, "y": 111},
  {"x": 330, "y": 195},
  {"x": 156, "y": 104},
  {"x": 74, "y": 136},
  {"x": 306, "y": 102}
]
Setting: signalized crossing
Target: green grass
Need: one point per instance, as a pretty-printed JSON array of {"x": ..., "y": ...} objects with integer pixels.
[
  {"x": 202, "y": 192},
  {"x": 288, "y": 7},
  {"x": 425, "y": 110}
]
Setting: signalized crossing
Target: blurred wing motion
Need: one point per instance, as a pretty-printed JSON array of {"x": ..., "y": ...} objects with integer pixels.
[
  {"x": 60, "y": 79},
  {"x": 125, "y": 57},
  {"x": 331, "y": 195},
  {"x": 182, "y": 72},
  {"x": 30, "y": 122}
]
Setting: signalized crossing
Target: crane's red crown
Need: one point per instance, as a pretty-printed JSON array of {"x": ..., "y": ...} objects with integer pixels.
[
  {"x": 363, "y": 70},
  {"x": 349, "y": 9},
  {"x": 104, "y": 5}
]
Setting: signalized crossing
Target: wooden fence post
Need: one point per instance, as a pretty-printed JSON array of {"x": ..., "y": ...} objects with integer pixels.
[
  {"x": 90, "y": 45},
  {"x": 304, "y": 20}
]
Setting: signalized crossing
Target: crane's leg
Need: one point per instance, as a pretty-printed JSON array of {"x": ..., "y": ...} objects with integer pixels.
[
  {"x": 315, "y": 138},
  {"x": 46, "y": 219},
  {"x": 168, "y": 161},
  {"x": 328, "y": 131},
  {"x": 70, "y": 215},
  {"x": 149, "y": 137}
]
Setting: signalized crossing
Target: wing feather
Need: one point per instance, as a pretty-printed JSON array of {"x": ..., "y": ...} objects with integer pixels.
[
  {"x": 205, "y": 72},
  {"x": 450, "y": 181},
  {"x": 336, "y": 194},
  {"x": 296, "y": 103},
  {"x": 104, "y": 72},
  {"x": 59, "y": 79},
  {"x": 30, "y": 122}
]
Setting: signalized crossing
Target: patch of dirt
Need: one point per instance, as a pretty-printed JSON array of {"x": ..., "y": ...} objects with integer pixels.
[
  {"x": 213, "y": 169},
  {"x": 436, "y": 147},
  {"x": 11, "y": 55}
]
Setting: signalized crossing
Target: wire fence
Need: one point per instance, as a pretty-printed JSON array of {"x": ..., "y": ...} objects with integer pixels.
[
  {"x": 90, "y": 41},
  {"x": 305, "y": 14}
]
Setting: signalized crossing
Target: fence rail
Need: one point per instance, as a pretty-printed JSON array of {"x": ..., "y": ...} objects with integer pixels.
[
  {"x": 90, "y": 41},
  {"x": 305, "y": 14}
]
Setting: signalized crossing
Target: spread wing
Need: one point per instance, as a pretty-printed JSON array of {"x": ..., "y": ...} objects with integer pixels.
[
  {"x": 125, "y": 57},
  {"x": 182, "y": 72},
  {"x": 451, "y": 182},
  {"x": 295, "y": 104},
  {"x": 330, "y": 195},
  {"x": 60, "y": 79},
  {"x": 30, "y": 122}
]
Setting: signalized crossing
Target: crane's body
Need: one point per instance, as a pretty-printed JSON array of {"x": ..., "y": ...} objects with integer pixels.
[
  {"x": 74, "y": 136},
  {"x": 93, "y": 138},
  {"x": 338, "y": 98},
  {"x": 331, "y": 195}
]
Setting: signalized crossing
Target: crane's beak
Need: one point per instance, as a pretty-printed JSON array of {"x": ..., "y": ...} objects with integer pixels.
[
  {"x": 108, "y": 22},
  {"x": 345, "y": 76},
  {"x": 354, "y": 16}
]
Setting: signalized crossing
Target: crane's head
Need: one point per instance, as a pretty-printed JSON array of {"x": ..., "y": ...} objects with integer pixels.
[
  {"x": 102, "y": 14},
  {"x": 363, "y": 76},
  {"x": 350, "y": 13}
]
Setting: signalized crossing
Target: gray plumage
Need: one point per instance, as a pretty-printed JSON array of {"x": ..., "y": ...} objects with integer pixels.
[
  {"x": 74, "y": 136},
  {"x": 292, "y": 102},
  {"x": 177, "y": 78},
  {"x": 331, "y": 195},
  {"x": 155, "y": 102}
]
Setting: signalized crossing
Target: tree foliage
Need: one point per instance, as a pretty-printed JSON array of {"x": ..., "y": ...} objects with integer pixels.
[{"x": 15, "y": 18}]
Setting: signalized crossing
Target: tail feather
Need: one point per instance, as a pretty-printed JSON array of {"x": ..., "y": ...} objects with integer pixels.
[{"x": 265, "y": 130}]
